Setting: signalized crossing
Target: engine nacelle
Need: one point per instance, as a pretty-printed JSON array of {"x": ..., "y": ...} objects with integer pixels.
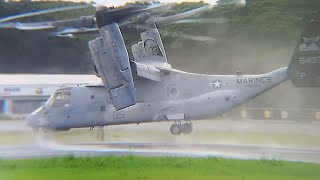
[
  {"x": 111, "y": 60},
  {"x": 96, "y": 71}
]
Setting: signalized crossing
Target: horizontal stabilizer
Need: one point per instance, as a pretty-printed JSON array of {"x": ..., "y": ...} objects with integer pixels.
[{"x": 304, "y": 69}]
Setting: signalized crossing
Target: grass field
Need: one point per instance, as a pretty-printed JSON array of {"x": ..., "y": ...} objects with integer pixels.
[{"x": 143, "y": 168}]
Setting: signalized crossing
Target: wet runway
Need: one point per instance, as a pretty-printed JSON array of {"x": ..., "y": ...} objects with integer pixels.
[
  {"x": 52, "y": 149},
  {"x": 267, "y": 126},
  {"x": 159, "y": 143}
]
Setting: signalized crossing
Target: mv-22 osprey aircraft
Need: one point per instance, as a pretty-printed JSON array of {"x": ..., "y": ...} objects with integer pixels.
[{"x": 146, "y": 88}]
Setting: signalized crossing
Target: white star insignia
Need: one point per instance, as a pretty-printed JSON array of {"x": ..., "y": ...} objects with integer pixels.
[{"x": 217, "y": 84}]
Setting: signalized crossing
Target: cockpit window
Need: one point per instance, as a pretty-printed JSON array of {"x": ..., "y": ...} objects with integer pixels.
[{"x": 60, "y": 98}]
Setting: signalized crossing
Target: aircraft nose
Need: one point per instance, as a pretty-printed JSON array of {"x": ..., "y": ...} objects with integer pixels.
[
  {"x": 31, "y": 120},
  {"x": 37, "y": 119}
]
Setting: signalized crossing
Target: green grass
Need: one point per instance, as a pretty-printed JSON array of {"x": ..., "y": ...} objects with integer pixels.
[{"x": 142, "y": 168}]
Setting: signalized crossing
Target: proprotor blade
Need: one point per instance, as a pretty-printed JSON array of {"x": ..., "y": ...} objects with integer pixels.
[{"x": 46, "y": 11}]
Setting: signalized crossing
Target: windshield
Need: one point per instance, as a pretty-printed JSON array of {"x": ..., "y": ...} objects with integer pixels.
[{"x": 59, "y": 98}]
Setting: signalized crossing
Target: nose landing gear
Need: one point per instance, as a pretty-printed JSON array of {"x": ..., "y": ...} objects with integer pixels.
[
  {"x": 177, "y": 128},
  {"x": 100, "y": 133},
  {"x": 42, "y": 135}
]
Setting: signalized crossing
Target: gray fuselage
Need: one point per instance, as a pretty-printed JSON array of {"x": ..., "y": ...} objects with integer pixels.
[{"x": 179, "y": 96}]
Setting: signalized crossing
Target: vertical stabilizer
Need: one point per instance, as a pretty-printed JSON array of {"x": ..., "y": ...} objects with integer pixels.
[{"x": 304, "y": 69}]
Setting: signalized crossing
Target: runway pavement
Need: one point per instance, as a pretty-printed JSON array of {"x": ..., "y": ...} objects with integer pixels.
[
  {"x": 52, "y": 149},
  {"x": 261, "y": 126},
  {"x": 177, "y": 146},
  {"x": 14, "y": 125}
]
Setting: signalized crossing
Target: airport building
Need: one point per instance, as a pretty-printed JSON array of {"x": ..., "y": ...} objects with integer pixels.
[{"x": 20, "y": 94}]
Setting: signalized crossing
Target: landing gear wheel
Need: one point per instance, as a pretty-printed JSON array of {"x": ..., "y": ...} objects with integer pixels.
[
  {"x": 175, "y": 129},
  {"x": 186, "y": 128}
]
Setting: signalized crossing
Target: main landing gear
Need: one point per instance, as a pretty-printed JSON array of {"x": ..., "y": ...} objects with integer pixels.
[{"x": 177, "y": 128}]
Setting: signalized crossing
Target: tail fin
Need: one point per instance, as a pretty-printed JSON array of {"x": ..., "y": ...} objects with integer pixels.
[{"x": 304, "y": 68}]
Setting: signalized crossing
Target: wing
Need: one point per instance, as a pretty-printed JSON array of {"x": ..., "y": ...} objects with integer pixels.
[{"x": 146, "y": 71}]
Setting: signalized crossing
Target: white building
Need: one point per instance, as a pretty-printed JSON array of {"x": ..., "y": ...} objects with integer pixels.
[{"x": 20, "y": 94}]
